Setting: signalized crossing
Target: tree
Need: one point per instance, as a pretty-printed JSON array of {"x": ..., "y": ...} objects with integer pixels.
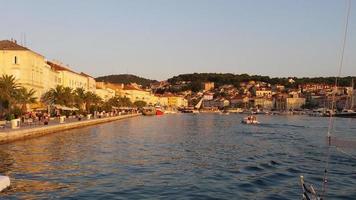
[
  {"x": 140, "y": 104},
  {"x": 79, "y": 98},
  {"x": 12, "y": 95},
  {"x": 8, "y": 92},
  {"x": 25, "y": 97},
  {"x": 59, "y": 95},
  {"x": 92, "y": 101}
]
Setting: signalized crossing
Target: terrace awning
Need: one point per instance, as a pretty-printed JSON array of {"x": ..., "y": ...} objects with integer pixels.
[{"x": 65, "y": 108}]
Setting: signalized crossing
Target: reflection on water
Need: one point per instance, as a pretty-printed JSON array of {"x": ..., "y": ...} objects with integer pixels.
[{"x": 180, "y": 156}]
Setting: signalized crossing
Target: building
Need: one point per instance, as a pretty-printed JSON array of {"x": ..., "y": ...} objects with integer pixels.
[
  {"x": 28, "y": 67},
  {"x": 315, "y": 87},
  {"x": 105, "y": 94},
  {"x": 264, "y": 93},
  {"x": 72, "y": 79},
  {"x": 162, "y": 100},
  {"x": 263, "y": 103},
  {"x": 285, "y": 102},
  {"x": 176, "y": 101},
  {"x": 294, "y": 103},
  {"x": 239, "y": 101},
  {"x": 208, "y": 86},
  {"x": 216, "y": 103},
  {"x": 278, "y": 87},
  {"x": 116, "y": 87},
  {"x": 90, "y": 82},
  {"x": 135, "y": 93},
  {"x": 279, "y": 101}
]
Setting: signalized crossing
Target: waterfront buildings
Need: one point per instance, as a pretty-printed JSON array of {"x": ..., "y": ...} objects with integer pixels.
[
  {"x": 32, "y": 71},
  {"x": 28, "y": 67},
  {"x": 263, "y": 103},
  {"x": 72, "y": 79},
  {"x": 136, "y": 93},
  {"x": 216, "y": 103},
  {"x": 177, "y": 101}
]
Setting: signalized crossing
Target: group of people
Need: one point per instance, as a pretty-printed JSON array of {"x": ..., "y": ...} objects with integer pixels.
[
  {"x": 36, "y": 116},
  {"x": 252, "y": 118}
]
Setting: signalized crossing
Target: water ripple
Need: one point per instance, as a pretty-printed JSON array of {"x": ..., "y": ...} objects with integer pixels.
[{"x": 180, "y": 157}]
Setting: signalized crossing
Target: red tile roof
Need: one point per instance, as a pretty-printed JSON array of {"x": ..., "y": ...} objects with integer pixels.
[
  {"x": 58, "y": 67},
  {"x": 9, "y": 45}
]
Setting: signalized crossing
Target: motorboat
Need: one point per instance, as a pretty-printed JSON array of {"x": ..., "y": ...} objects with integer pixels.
[
  {"x": 251, "y": 119},
  {"x": 346, "y": 113},
  {"x": 149, "y": 111},
  {"x": 159, "y": 112}
]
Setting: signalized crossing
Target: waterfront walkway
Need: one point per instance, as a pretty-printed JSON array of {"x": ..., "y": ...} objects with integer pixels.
[{"x": 9, "y": 135}]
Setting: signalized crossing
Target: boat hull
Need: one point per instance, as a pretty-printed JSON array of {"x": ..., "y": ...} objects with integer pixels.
[
  {"x": 346, "y": 115},
  {"x": 159, "y": 112}
]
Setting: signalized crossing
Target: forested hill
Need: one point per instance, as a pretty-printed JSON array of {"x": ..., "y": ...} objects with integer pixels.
[
  {"x": 126, "y": 79},
  {"x": 235, "y": 79}
]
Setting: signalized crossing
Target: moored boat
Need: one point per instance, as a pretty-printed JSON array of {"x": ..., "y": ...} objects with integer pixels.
[
  {"x": 346, "y": 114},
  {"x": 148, "y": 111},
  {"x": 159, "y": 112}
]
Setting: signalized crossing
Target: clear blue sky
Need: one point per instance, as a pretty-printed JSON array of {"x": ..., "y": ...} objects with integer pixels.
[{"x": 161, "y": 38}]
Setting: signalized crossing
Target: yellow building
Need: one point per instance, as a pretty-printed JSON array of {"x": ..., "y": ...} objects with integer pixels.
[
  {"x": 90, "y": 82},
  {"x": 105, "y": 94},
  {"x": 116, "y": 87},
  {"x": 135, "y": 93},
  {"x": 163, "y": 101},
  {"x": 74, "y": 80},
  {"x": 294, "y": 103},
  {"x": 28, "y": 67},
  {"x": 177, "y": 101},
  {"x": 264, "y": 103}
]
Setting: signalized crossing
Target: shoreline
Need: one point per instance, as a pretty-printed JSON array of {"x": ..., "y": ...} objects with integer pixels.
[{"x": 20, "y": 134}]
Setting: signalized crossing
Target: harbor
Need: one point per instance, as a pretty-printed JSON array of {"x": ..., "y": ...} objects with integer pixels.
[
  {"x": 178, "y": 156},
  {"x": 194, "y": 100}
]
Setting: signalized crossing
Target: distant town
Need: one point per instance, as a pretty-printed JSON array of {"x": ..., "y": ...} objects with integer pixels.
[{"x": 51, "y": 83}]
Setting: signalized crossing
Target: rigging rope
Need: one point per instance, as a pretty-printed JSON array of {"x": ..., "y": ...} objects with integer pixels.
[{"x": 331, "y": 117}]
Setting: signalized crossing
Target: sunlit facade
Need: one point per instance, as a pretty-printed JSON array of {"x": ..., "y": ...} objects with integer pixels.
[{"x": 28, "y": 67}]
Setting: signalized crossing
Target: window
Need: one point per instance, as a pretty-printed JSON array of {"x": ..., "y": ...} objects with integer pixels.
[{"x": 15, "y": 60}]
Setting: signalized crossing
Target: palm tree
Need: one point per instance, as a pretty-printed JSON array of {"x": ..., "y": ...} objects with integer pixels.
[
  {"x": 59, "y": 95},
  {"x": 8, "y": 92},
  {"x": 91, "y": 99},
  {"x": 79, "y": 98},
  {"x": 25, "y": 97}
]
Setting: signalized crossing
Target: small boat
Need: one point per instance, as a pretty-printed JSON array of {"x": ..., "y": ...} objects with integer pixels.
[
  {"x": 159, "y": 111},
  {"x": 190, "y": 111},
  {"x": 346, "y": 113},
  {"x": 149, "y": 111},
  {"x": 251, "y": 119}
]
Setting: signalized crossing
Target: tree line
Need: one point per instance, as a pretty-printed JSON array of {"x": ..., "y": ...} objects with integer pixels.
[
  {"x": 196, "y": 79},
  {"x": 126, "y": 79},
  {"x": 14, "y": 99}
]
